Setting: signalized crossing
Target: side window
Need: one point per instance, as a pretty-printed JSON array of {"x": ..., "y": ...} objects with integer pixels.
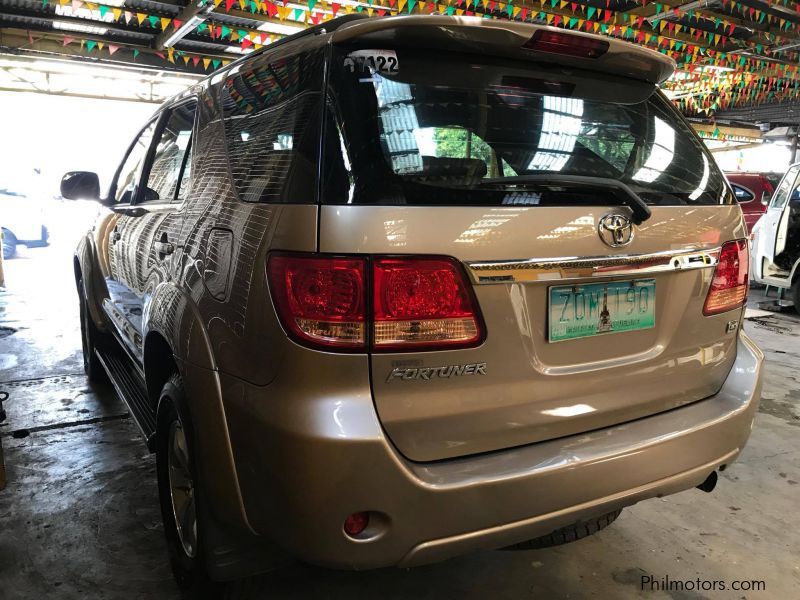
[
  {"x": 132, "y": 167},
  {"x": 742, "y": 194},
  {"x": 271, "y": 110},
  {"x": 168, "y": 177},
  {"x": 781, "y": 195}
]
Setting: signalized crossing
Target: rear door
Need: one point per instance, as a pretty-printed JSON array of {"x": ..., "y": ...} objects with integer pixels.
[{"x": 513, "y": 170}]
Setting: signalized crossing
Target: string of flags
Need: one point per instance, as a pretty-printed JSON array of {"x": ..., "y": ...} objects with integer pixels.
[{"x": 737, "y": 79}]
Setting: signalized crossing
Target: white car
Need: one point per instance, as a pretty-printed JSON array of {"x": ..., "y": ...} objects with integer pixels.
[
  {"x": 22, "y": 222},
  {"x": 775, "y": 248}
]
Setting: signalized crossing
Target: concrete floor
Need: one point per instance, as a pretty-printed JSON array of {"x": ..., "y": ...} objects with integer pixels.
[{"x": 79, "y": 518}]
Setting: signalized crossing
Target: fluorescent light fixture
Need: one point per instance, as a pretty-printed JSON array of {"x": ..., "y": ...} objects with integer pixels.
[
  {"x": 281, "y": 28},
  {"x": 181, "y": 32},
  {"x": 79, "y": 28},
  {"x": 66, "y": 10}
]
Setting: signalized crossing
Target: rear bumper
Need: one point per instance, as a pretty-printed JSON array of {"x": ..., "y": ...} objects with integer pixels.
[{"x": 305, "y": 464}]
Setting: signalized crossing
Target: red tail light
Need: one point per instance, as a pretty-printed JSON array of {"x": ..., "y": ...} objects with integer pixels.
[
  {"x": 567, "y": 44},
  {"x": 417, "y": 302},
  {"x": 422, "y": 302},
  {"x": 320, "y": 300},
  {"x": 731, "y": 279}
]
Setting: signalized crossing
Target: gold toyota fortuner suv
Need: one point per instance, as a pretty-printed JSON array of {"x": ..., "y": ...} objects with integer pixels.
[{"x": 395, "y": 289}]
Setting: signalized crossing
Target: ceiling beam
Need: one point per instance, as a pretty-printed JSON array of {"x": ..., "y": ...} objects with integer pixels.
[
  {"x": 749, "y": 133},
  {"x": 190, "y": 17}
]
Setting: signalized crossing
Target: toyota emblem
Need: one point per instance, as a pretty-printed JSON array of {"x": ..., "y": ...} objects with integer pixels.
[{"x": 615, "y": 230}]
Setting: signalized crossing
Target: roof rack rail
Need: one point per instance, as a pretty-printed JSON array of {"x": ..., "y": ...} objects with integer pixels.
[{"x": 326, "y": 27}]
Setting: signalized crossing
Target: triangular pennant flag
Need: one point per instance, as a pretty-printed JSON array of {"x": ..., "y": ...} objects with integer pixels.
[
  {"x": 67, "y": 40},
  {"x": 140, "y": 17},
  {"x": 112, "y": 48},
  {"x": 164, "y": 23},
  {"x": 206, "y": 62},
  {"x": 117, "y": 12},
  {"x": 90, "y": 44}
]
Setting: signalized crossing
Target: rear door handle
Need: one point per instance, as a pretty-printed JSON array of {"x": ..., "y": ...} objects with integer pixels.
[{"x": 164, "y": 248}]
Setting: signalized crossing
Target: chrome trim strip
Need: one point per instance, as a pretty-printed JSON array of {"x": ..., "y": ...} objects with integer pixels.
[{"x": 583, "y": 267}]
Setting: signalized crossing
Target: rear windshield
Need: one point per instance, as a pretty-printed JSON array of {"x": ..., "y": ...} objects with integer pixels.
[{"x": 411, "y": 128}]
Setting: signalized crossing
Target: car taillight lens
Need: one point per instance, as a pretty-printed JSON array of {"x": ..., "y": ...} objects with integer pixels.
[
  {"x": 567, "y": 44},
  {"x": 320, "y": 300},
  {"x": 421, "y": 301},
  {"x": 731, "y": 279},
  {"x": 417, "y": 303}
]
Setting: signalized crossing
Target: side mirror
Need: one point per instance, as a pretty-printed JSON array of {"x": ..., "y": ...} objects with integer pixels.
[{"x": 80, "y": 185}]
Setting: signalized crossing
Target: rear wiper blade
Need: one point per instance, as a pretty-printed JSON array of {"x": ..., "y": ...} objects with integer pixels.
[{"x": 641, "y": 212}]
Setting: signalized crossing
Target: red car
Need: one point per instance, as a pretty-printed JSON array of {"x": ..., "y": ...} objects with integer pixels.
[{"x": 753, "y": 191}]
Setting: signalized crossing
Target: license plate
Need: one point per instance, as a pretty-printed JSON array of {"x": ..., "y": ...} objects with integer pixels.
[{"x": 590, "y": 309}]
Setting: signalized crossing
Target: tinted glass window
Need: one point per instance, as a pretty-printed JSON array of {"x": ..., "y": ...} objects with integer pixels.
[
  {"x": 271, "y": 110},
  {"x": 742, "y": 194},
  {"x": 168, "y": 178},
  {"x": 132, "y": 167},
  {"x": 461, "y": 131},
  {"x": 781, "y": 195}
]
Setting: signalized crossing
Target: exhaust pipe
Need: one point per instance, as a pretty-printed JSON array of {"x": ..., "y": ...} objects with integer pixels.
[{"x": 710, "y": 483}]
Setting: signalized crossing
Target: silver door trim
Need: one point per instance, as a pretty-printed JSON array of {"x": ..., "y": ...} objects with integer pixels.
[{"x": 583, "y": 267}]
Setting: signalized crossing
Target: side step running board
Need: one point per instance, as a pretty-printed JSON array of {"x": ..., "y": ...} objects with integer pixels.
[{"x": 130, "y": 387}]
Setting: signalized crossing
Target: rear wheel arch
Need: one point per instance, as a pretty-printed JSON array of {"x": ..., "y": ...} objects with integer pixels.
[{"x": 159, "y": 366}]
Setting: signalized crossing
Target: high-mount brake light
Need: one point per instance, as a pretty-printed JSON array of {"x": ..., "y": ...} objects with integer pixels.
[
  {"x": 557, "y": 42},
  {"x": 731, "y": 280},
  {"x": 416, "y": 303}
]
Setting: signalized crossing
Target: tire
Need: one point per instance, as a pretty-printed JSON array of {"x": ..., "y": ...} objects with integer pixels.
[
  {"x": 90, "y": 338},
  {"x": 179, "y": 495},
  {"x": 9, "y": 244},
  {"x": 571, "y": 533},
  {"x": 794, "y": 294}
]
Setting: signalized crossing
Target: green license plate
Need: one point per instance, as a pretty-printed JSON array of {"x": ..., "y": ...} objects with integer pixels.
[{"x": 590, "y": 309}]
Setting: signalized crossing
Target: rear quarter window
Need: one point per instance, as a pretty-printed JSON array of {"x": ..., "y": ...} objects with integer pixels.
[
  {"x": 271, "y": 113},
  {"x": 742, "y": 194}
]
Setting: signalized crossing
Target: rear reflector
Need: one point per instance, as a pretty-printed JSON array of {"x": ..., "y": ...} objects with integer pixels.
[
  {"x": 731, "y": 279},
  {"x": 417, "y": 303},
  {"x": 422, "y": 301},
  {"x": 320, "y": 300},
  {"x": 356, "y": 523},
  {"x": 567, "y": 44}
]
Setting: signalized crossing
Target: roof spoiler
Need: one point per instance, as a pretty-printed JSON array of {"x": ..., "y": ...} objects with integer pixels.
[{"x": 510, "y": 39}]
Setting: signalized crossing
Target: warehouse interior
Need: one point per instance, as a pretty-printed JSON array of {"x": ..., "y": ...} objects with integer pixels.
[{"x": 79, "y": 512}]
